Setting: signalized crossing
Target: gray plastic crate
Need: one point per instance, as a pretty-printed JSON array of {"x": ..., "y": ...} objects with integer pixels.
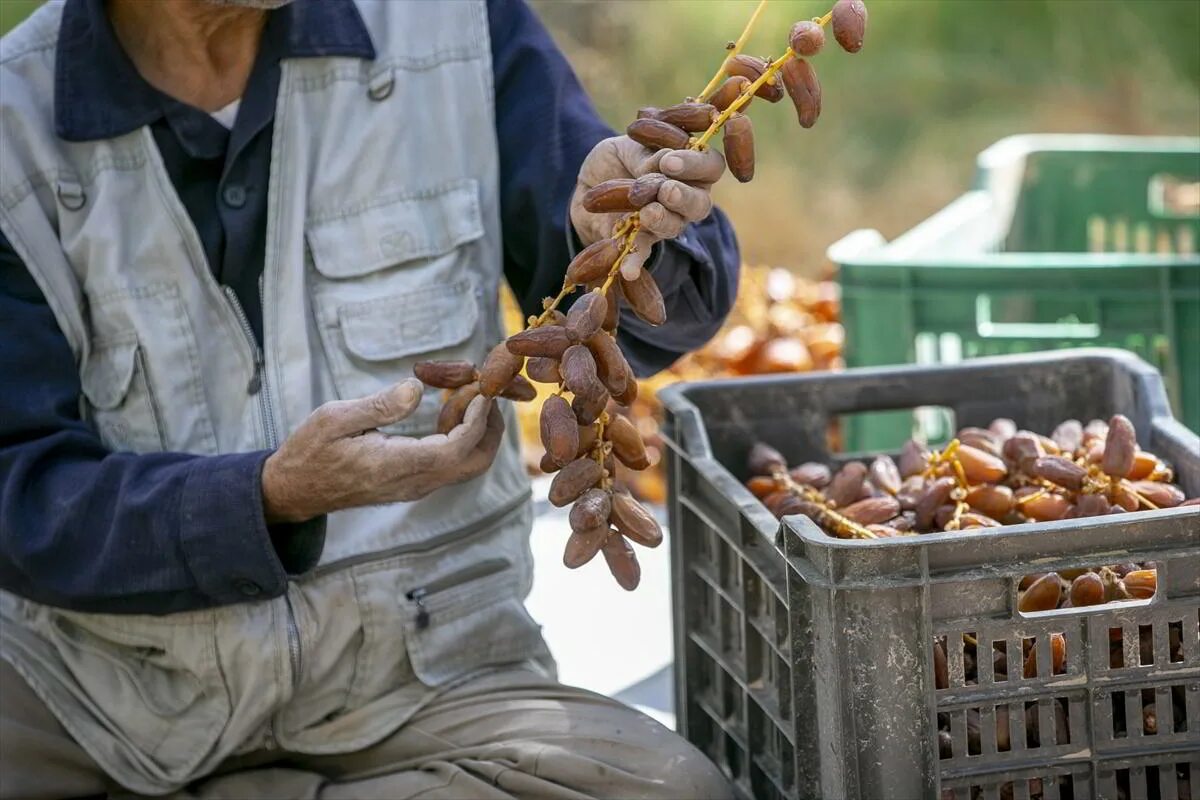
[{"x": 803, "y": 662}]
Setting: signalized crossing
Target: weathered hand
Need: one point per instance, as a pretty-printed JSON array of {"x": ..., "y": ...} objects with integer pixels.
[
  {"x": 684, "y": 198},
  {"x": 338, "y": 459}
]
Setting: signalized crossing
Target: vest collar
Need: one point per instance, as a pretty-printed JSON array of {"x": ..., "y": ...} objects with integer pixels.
[{"x": 98, "y": 93}]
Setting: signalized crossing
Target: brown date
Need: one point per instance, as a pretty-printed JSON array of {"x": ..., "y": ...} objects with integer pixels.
[
  {"x": 872, "y": 511},
  {"x": 591, "y": 510},
  {"x": 765, "y": 460},
  {"x": 812, "y": 474},
  {"x": 543, "y": 370},
  {"x": 445, "y": 374},
  {"x": 644, "y": 298},
  {"x": 611, "y": 367},
  {"x": 729, "y": 91},
  {"x": 622, "y": 562},
  {"x": 498, "y": 370},
  {"x": 739, "y": 147},
  {"x": 582, "y": 546},
  {"x": 847, "y": 484},
  {"x": 1120, "y": 447},
  {"x": 691, "y": 117},
  {"x": 1042, "y": 595},
  {"x": 849, "y": 24},
  {"x": 547, "y": 341},
  {"x": 645, "y": 189},
  {"x": 594, "y": 261},
  {"x": 752, "y": 68},
  {"x": 573, "y": 480},
  {"x": 586, "y": 315},
  {"x": 627, "y": 443},
  {"x": 656, "y": 135},
  {"x": 608, "y": 197},
  {"x": 559, "y": 431},
  {"x": 800, "y": 80},
  {"x": 519, "y": 390},
  {"x": 632, "y": 520},
  {"x": 455, "y": 407},
  {"x": 806, "y": 38}
]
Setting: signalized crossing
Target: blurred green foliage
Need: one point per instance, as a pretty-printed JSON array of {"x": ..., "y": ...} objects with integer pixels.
[{"x": 937, "y": 82}]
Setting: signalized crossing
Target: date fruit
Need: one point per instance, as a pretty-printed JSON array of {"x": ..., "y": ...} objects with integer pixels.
[
  {"x": 849, "y": 24},
  {"x": 445, "y": 374},
  {"x": 656, "y": 135},
  {"x": 739, "y": 147},
  {"x": 806, "y": 38},
  {"x": 800, "y": 80}
]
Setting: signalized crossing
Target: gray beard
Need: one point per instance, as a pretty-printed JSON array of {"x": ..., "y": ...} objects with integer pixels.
[{"x": 266, "y": 5}]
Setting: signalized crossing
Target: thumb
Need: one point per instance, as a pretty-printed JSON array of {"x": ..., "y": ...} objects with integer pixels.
[{"x": 385, "y": 407}]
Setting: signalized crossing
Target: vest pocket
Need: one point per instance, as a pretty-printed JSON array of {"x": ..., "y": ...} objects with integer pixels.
[
  {"x": 120, "y": 402},
  {"x": 146, "y": 684},
  {"x": 393, "y": 284}
]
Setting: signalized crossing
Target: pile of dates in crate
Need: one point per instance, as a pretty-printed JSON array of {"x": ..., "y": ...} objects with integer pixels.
[
  {"x": 984, "y": 478},
  {"x": 988, "y": 478}
]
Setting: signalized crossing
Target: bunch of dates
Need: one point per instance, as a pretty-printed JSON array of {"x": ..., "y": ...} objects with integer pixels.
[
  {"x": 984, "y": 478},
  {"x": 577, "y": 352}
]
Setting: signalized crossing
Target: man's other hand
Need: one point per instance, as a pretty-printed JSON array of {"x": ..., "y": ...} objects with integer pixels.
[
  {"x": 338, "y": 459},
  {"x": 686, "y": 197}
]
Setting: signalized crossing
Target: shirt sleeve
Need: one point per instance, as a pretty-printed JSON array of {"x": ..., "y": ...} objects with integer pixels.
[
  {"x": 545, "y": 127},
  {"x": 92, "y": 530}
]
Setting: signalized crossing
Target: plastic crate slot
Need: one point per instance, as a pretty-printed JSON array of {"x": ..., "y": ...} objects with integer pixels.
[
  {"x": 999, "y": 661},
  {"x": 969, "y": 661},
  {"x": 781, "y": 624},
  {"x": 783, "y": 685},
  {"x": 1175, "y": 642},
  {"x": 1116, "y": 654},
  {"x": 731, "y": 632},
  {"x": 1146, "y": 645},
  {"x": 735, "y": 759}
]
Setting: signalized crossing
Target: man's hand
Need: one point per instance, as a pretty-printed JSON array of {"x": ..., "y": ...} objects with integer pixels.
[
  {"x": 337, "y": 459},
  {"x": 684, "y": 198}
]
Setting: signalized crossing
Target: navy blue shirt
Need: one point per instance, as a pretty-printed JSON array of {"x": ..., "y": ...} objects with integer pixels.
[{"x": 85, "y": 528}]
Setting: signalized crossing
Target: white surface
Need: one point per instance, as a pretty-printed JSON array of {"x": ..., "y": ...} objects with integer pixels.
[{"x": 604, "y": 638}]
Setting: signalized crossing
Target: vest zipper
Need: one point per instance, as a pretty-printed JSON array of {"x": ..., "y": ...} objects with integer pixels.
[
  {"x": 259, "y": 385},
  {"x": 482, "y": 525},
  {"x": 465, "y": 575}
]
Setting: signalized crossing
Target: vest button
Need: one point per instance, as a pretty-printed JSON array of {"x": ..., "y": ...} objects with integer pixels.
[
  {"x": 247, "y": 587},
  {"x": 234, "y": 195}
]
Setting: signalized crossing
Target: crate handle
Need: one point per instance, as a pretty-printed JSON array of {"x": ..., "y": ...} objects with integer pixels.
[{"x": 988, "y": 329}]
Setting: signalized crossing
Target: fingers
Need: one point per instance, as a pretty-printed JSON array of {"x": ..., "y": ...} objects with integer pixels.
[
  {"x": 441, "y": 451},
  {"x": 659, "y": 221},
  {"x": 693, "y": 166},
  {"x": 342, "y": 418},
  {"x": 481, "y": 458},
  {"x": 690, "y": 202},
  {"x": 643, "y": 243}
]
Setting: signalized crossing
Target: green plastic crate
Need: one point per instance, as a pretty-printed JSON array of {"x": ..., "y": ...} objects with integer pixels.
[{"x": 1065, "y": 241}]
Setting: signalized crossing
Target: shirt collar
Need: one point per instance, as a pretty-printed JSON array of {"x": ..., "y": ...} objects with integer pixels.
[{"x": 98, "y": 93}]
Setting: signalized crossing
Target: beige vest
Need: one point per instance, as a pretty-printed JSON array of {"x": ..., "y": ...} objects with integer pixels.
[{"x": 383, "y": 248}]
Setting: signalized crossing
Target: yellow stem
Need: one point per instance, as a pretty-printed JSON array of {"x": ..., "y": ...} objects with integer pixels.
[
  {"x": 855, "y": 530},
  {"x": 742, "y": 99},
  {"x": 626, "y": 249},
  {"x": 737, "y": 48}
]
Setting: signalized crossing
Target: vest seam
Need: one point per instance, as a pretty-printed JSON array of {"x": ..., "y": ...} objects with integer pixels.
[
  {"x": 13, "y": 196},
  {"x": 321, "y": 217}
]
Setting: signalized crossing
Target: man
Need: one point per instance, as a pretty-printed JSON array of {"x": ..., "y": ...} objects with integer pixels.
[{"x": 235, "y": 560}]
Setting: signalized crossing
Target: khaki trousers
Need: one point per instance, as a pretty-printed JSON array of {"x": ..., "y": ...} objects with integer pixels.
[{"x": 511, "y": 734}]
